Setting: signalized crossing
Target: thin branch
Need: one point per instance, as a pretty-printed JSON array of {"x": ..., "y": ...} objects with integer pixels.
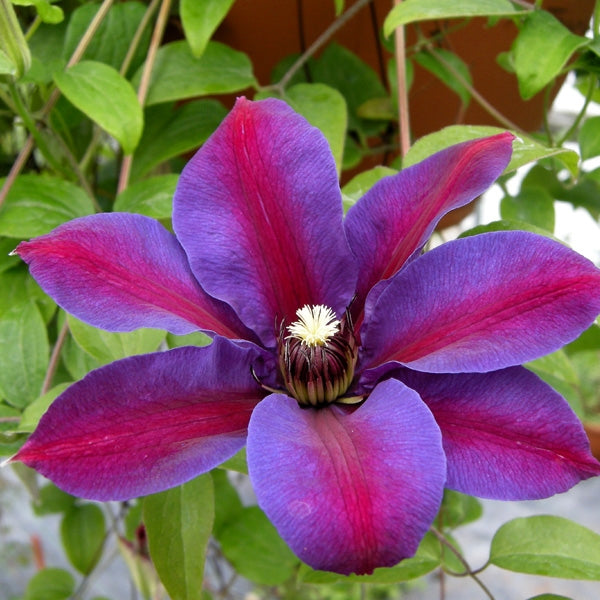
[
  {"x": 320, "y": 41},
  {"x": 21, "y": 161},
  {"x": 54, "y": 358},
  {"x": 157, "y": 35},
  {"x": 403, "y": 115},
  {"x": 489, "y": 108},
  {"x": 468, "y": 571}
]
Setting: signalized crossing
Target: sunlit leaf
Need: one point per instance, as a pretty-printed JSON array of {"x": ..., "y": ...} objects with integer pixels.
[
  {"x": 540, "y": 51},
  {"x": 546, "y": 545},
  {"x": 179, "y": 523},
  {"x": 82, "y": 531},
  {"x": 200, "y": 19},
  {"x": 36, "y": 204},
  {"x": 106, "y": 97},
  {"x": 178, "y": 74},
  {"x": 410, "y": 11}
]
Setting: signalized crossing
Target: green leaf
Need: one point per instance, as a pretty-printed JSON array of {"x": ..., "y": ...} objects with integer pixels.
[
  {"x": 52, "y": 500},
  {"x": 77, "y": 361},
  {"x": 105, "y": 346},
  {"x": 532, "y": 205},
  {"x": 325, "y": 108},
  {"x": 525, "y": 149},
  {"x": 151, "y": 197},
  {"x": 589, "y": 138},
  {"x": 253, "y": 546},
  {"x": 549, "y": 597},
  {"x": 113, "y": 38},
  {"x": 339, "y": 68},
  {"x": 173, "y": 130},
  {"x": 24, "y": 360},
  {"x": 359, "y": 185},
  {"x": 459, "y": 509},
  {"x": 46, "y": 11},
  {"x": 17, "y": 287},
  {"x": 178, "y": 74},
  {"x": 197, "y": 338},
  {"x": 33, "y": 413},
  {"x": 410, "y": 11},
  {"x": 179, "y": 523},
  {"x": 36, "y": 204},
  {"x": 442, "y": 65},
  {"x": 227, "y": 501},
  {"x": 50, "y": 584},
  {"x": 82, "y": 531},
  {"x": 200, "y": 19},
  {"x": 106, "y": 97},
  {"x": 544, "y": 545},
  {"x": 237, "y": 462},
  {"x": 540, "y": 50}
]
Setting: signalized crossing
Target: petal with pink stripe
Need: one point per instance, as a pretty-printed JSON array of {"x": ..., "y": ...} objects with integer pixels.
[
  {"x": 120, "y": 271},
  {"x": 482, "y": 303},
  {"x": 149, "y": 422},
  {"x": 507, "y": 435},
  {"x": 349, "y": 491},
  {"x": 258, "y": 210}
]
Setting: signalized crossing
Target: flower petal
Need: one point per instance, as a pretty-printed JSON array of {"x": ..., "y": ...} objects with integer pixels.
[
  {"x": 348, "y": 491},
  {"x": 507, "y": 435},
  {"x": 482, "y": 303},
  {"x": 398, "y": 214},
  {"x": 121, "y": 271},
  {"x": 258, "y": 210},
  {"x": 149, "y": 422}
]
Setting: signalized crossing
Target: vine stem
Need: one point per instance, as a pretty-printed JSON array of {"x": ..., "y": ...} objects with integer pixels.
[
  {"x": 157, "y": 35},
  {"x": 21, "y": 160},
  {"x": 487, "y": 106},
  {"x": 442, "y": 539},
  {"x": 54, "y": 357},
  {"x": 320, "y": 41},
  {"x": 403, "y": 114}
]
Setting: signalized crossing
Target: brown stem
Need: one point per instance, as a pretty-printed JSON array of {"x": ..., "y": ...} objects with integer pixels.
[
  {"x": 54, "y": 358},
  {"x": 157, "y": 34},
  {"x": 320, "y": 41},
  {"x": 403, "y": 114},
  {"x": 489, "y": 108}
]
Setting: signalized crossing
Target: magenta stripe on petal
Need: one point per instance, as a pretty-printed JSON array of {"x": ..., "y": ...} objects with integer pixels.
[
  {"x": 258, "y": 210},
  {"x": 147, "y": 423},
  {"x": 507, "y": 435},
  {"x": 348, "y": 491},
  {"x": 120, "y": 271},
  {"x": 482, "y": 303},
  {"x": 399, "y": 213}
]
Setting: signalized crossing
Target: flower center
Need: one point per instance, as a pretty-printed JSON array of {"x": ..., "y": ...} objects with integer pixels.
[{"x": 318, "y": 357}]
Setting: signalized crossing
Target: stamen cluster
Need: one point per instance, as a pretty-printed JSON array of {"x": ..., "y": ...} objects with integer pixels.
[{"x": 317, "y": 359}]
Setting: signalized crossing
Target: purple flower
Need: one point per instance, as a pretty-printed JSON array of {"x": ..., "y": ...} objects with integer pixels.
[{"x": 363, "y": 375}]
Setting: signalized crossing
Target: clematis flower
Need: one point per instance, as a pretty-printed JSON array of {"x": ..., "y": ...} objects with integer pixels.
[{"x": 363, "y": 374}]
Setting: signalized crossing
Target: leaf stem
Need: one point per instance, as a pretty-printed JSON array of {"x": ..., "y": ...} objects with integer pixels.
[
  {"x": 157, "y": 35},
  {"x": 487, "y": 106},
  {"x": 442, "y": 539}
]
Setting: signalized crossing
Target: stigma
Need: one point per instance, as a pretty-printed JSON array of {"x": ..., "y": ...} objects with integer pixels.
[{"x": 315, "y": 325}]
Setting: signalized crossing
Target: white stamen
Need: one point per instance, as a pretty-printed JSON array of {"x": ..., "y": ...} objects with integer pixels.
[{"x": 315, "y": 325}]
